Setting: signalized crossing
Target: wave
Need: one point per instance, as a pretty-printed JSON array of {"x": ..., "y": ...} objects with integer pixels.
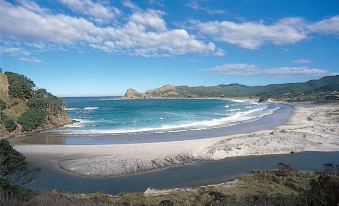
[
  {"x": 237, "y": 118},
  {"x": 251, "y": 101},
  {"x": 233, "y": 110},
  {"x": 71, "y": 109},
  {"x": 91, "y": 108}
]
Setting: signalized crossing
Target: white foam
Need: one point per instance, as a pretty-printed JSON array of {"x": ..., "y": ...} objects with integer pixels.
[
  {"x": 233, "y": 110},
  {"x": 91, "y": 108},
  {"x": 71, "y": 109}
]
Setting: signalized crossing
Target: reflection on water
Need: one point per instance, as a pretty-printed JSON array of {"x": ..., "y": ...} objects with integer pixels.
[{"x": 203, "y": 173}]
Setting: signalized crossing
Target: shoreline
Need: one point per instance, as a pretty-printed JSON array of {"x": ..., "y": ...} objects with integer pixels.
[
  {"x": 297, "y": 134},
  {"x": 269, "y": 121}
]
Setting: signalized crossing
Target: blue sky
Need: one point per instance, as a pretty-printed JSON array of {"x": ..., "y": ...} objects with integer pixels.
[{"x": 99, "y": 47}]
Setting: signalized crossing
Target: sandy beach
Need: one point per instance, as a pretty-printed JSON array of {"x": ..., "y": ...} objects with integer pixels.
[{"x": 311, "y": 127}]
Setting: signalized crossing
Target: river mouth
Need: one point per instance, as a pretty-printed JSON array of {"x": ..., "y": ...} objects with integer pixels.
[
  {"x": 202, "y": 173},
  {"x": 278, "y": 117}
]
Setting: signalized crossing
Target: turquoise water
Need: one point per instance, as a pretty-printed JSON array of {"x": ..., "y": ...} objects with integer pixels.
[{"x": 111, "y": 115}]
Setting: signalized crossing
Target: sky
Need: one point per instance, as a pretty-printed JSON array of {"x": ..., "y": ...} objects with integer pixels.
[{"x": 102, "y": 48}]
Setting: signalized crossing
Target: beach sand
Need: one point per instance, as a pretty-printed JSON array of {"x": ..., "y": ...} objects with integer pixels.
[{"x": 311, "y": 127}]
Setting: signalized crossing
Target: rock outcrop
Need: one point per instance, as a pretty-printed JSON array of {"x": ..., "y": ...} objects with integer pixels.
[
  {"x": 167, "y": 91},
  {"x": 132, "y": 94},
  {"x": 15, "y": 106}
]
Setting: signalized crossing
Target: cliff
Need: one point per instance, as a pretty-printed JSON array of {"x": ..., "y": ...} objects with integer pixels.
[
  {"x": 23, "y": 108},
  {"x": 320, "y": 89}
]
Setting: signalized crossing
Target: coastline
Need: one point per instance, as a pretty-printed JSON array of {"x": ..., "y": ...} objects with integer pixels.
[
  {"x": 308, "y": 129},
  {"x": 277, "y": 117}
]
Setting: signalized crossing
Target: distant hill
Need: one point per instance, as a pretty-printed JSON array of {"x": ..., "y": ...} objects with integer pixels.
[
  {"x": 324, "y": 87},
  {"x": 25, "y": 108}
]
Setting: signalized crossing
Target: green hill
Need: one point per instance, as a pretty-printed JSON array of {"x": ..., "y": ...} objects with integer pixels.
[
  {"x": 25, "y": 108},
  {"x": 313, "y": 89}
]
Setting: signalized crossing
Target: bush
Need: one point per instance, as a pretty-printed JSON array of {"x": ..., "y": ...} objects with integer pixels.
[
  {"x": 14, "y": 163},
  {"x": 44, "y": 99},
  {"x": 19, "y": 85},
  {"x": 2, "y": 105},
  {"x": 324, "y": 191},
  {"x": 36, "y": 102},
  {"x": 10, "y": 125},
  {"x": 32, "y": 119}
]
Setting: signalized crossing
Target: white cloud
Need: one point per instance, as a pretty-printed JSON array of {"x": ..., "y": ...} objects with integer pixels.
[
  {"x": 302, "y": 61},
  {"x": 130, "y": 5},
  {"x": 150, "y": 18},
  {"x": 99, "y": 12},
  {"x": 196, "y": 6},
  {"x": 252, "y": 70},
  {"x": 145, "y": 32},
  {"x": 20, "y": 53},
  {"x": 327, "y": 26},
  {"x": 252, "y": 35}
]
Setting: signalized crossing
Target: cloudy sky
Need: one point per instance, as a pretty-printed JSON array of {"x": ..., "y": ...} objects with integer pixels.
[{"x": 101, "y": 47}]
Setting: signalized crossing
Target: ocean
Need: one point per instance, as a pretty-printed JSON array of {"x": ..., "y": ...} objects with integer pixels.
[{"x": 112, "y": 115}]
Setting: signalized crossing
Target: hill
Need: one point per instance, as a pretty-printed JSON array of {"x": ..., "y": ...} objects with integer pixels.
[
  {"x": 314, "y": 89},
  {"x": 25, "y": 108}
]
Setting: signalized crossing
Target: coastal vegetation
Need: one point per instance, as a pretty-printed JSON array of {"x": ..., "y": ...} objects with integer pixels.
[
  {"x": 322, "y": 89},
  {"x": 13, "y": 167},
  {"x": 25, "y": 108}
]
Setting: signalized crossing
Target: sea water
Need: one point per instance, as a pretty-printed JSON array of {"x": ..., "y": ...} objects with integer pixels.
[{"x": 113, "y": 115}]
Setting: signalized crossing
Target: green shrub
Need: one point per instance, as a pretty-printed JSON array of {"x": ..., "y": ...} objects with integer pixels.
[
  {"x": 36, "y": 102},
  {"x": 32, "y": 119},
  {"x": 19, "y": 85},
  {"x": 2, "y": 105},
  {"x": 14, "y": 163},
  {"x": 10, "y": 125},
  {"x": 44, "y": 99}
]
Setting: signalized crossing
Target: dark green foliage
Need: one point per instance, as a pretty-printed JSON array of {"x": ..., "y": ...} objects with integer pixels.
[
  {"x": 14, "y": 163},
  {"x": 19, "y": 85},
  {"x": 324, "y": 191},
  {"x": 166, "y": 203},
  {"x": 37, "y": 102},
  {"x": 32, "y": 119},
  {"x": 10, "y": 125},
  {"x": 2, "y": 105},
  {"x": 44, "y": 99},
  {"x": 11, "y": 190},
  {"x": 10, "y": 159}
]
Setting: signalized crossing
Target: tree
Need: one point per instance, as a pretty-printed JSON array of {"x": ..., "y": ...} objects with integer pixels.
[
  {"x": 13, "y": 164},
  {"x": 32, "y": 119},
  {"x": 19, "y": 85}
]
